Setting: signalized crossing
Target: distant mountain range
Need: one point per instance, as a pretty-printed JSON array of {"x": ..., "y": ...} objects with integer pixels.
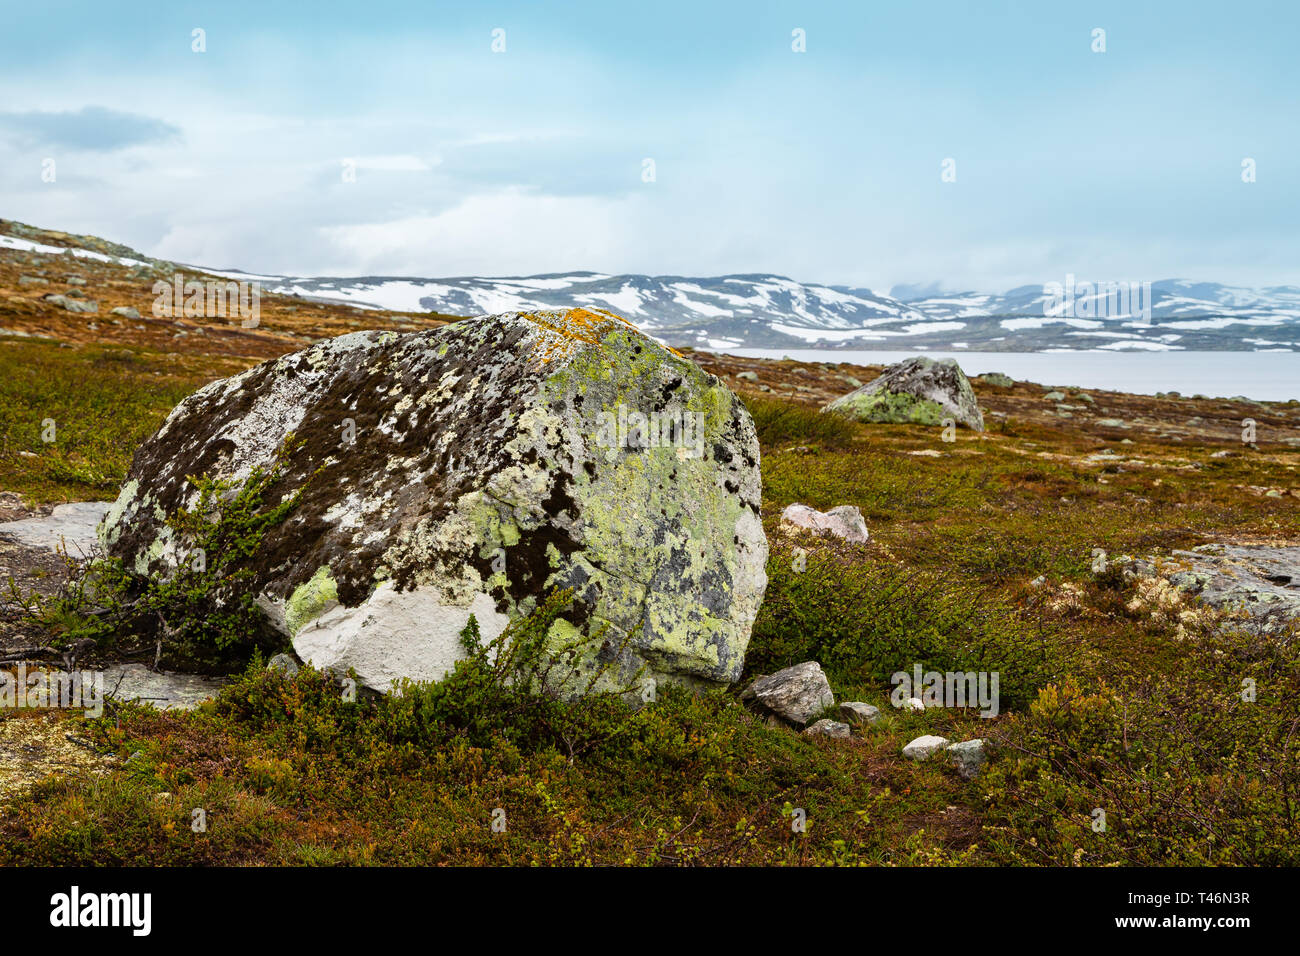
[{"x": 773, "y": 312}]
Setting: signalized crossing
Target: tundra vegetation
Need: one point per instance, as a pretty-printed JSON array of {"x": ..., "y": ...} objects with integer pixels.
[{"x": 980, "y": 559}]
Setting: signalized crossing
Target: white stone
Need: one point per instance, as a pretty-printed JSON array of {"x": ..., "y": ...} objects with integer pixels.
[
  {"x": 844, "y": 522},
  {"x": 923, "y": 748}
]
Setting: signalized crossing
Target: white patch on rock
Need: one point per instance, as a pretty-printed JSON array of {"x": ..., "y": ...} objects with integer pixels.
[{"x": 395, "y": 634}]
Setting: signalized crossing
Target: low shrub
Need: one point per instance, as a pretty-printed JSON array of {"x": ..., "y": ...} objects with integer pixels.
[{"x": 864, "y": 619}]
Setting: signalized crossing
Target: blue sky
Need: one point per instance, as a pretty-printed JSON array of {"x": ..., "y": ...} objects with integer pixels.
[{"x": 823, "y": 165}]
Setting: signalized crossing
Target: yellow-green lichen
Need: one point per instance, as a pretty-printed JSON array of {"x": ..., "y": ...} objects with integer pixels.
[{"x": 310, "y": 600}]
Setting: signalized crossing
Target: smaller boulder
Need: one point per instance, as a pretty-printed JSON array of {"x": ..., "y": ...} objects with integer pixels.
[
  {"x": 828, "y": 728},
  {"x": 795, "y": 694},
  {"x": 917, "y": 391},
  {"x": 923, "y": 748},
  {"x": 997, "y": 378},
  {"x": 968, "y": 757},
  {"x": 844, "y": 522},
  {"x": 126, "y": 311}
]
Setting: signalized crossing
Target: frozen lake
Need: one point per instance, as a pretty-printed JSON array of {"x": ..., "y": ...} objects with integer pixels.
[{"x": 1265, "y": 376}]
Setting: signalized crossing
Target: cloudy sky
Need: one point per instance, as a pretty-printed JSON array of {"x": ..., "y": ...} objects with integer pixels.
[{"x": 824, "y": 165}]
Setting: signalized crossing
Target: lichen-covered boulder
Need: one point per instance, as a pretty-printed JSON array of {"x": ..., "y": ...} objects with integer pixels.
[
  {"x": 472, "y": 469},
  {"x": 916, "y": 391}
]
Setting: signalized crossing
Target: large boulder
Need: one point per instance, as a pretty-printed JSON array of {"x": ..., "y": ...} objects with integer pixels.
[
  {"x": 916, "y": 391},
  {"x": 471, "y": 469}
]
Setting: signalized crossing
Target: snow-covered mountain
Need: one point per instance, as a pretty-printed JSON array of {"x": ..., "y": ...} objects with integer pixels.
[
  {"x": 770, "y": 311},
  {"x": 774, "y": 312}
]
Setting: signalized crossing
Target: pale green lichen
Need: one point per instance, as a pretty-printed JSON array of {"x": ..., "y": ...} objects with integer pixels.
[
  {"x": 146, "y": 559},
  {"x": 111, "y": 527},
  {"x": 657, "y": 489},
  {"x": 310, "y": 600}
]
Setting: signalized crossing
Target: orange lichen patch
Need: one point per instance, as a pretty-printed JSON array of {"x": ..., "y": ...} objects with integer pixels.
[{"x": 568, "y": 327}]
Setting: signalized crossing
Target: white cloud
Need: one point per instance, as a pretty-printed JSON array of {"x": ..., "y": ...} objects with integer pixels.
[{"x": 516, "y": 232}]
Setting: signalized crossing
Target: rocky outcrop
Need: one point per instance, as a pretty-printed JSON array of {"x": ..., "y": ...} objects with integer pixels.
[
  {"x": 916, "y": 391},
  {"x": 472, "y": 469},
  {"x": 165, "y": 690},
  {"x": 71, "y": 303},
  {"x": 1256, "y": 587},
  {"x": 999, "y": 379}
]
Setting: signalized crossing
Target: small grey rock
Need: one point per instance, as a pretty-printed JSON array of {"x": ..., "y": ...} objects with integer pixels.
[
  {"x": 796, "y": 694},
  {"x": 856, "y": 712},
  {"x": 284, "y": 663},
  {"x": 968, "y": 757},
  {"x": 828, "y": 728}
]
